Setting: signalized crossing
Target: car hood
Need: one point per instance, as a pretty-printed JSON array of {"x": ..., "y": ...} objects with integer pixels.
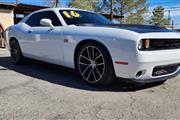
[{"x": 130, "y": 27}]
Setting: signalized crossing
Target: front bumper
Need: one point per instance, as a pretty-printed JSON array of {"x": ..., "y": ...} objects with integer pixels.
[
  {"x": 146, "y": 62},
  {"x": 151, "y": 80}
]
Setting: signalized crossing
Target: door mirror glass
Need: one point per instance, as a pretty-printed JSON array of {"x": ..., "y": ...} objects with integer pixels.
[{"x": 46, "y": 22}]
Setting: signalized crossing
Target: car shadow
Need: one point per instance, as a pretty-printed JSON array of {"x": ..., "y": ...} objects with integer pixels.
[{"x": 65, "y": 77}]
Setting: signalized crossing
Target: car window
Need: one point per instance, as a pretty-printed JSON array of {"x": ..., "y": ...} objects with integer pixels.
[
  {"x": 83, "y": 17},
  {"x": 34, "y": 20}
]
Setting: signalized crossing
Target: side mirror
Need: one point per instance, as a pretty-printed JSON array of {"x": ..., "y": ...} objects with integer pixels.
[{"x": 46, "y": 22}]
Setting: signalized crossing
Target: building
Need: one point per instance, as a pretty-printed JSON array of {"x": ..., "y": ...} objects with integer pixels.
[
  {"x": 6, "y": 19},
  {"x": 11, "y": 13}
]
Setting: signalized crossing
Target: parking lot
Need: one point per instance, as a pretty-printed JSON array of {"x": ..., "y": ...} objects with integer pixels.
[{"x": 39, "y": 91}]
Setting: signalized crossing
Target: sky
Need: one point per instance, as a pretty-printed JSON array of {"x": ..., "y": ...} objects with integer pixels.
[{"x": 173, "y": 5}]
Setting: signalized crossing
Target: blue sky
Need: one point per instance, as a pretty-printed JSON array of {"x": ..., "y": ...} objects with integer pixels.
[
  {"x": 167, "y": 4},
  {"x": 36, "y": 2},
  {"x": 152, "y": 3}
]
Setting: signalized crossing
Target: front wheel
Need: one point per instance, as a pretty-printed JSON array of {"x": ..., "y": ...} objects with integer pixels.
[{"x": 94, "y": 64}]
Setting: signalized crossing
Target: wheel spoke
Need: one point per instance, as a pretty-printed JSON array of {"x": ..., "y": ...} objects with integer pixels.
[
  {"x": 88, "y": 53},
  {"x": 93, "y": 52},
  {"x": 89, "y": 74},
  {"x": 81, "y": 63},
  {"x": 98, "y": 57},
  {"x": 94, "y": 75},
  {"x": 85, "y": 58},
  {"x": 86, "y": 69},
  {"x": 98, "y": 71},
  {"x": 99, "y": 64}
]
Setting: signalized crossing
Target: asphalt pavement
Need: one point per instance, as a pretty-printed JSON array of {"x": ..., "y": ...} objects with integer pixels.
[{"x": 40, "y": 91}]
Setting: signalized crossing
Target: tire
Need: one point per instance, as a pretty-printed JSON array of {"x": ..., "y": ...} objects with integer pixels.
[
  {"x": 16, "y": 54},
  {"x": 94, "y": 64}
]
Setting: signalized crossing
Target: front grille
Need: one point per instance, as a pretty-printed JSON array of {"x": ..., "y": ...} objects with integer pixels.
[
  {"x": 164, "y": 70},
  {"x": 163, "y": 44}
]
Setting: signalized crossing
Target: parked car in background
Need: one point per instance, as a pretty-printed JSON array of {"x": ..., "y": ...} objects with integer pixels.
[{"x": 98, "y": 49}]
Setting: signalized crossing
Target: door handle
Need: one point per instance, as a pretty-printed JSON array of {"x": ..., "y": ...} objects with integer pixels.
[{"x": 30, "y": 31}]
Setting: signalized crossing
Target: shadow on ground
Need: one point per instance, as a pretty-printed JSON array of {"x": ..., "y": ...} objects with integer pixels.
[{"x": 64, "y": 77}]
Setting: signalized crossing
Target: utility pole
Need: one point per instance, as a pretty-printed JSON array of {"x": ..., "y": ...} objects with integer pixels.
[
  {"x": 169, "y": 14},
  {"x": 121, "y": 10},
  {"x": 17, "y": 1},
  {"x": 112, "y": 10},
  {"x": 56, "y": 3},
  {"x": 172, "y": 25},
  {"x": 169, "y": 18}
]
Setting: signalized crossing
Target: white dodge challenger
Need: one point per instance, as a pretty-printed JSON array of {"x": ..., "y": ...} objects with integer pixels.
[{"x": 99, "y": 50}]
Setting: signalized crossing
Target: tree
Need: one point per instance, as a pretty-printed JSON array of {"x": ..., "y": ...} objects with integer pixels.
[
  {"x": 103, "y": 6},
  {"x": 133, "y": 10},
  {"x": 158, "y": 18},
  {"x": 84, "y": 4}
]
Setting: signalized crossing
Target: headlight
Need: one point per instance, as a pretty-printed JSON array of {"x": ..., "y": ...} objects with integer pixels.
[
  {"x": 140, "y": 46},
  {"x": 144, "y": 44}
]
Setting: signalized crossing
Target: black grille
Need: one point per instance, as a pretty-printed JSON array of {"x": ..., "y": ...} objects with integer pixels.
[
  {"x": 163, "y": 70},
  {"x": 163, "y": 44}
]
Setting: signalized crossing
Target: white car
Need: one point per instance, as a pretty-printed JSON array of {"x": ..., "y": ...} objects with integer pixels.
[{"x": 98, "y": 49}]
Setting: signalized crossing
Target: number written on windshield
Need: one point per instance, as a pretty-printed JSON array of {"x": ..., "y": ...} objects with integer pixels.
[{"x": 71, "y": 14}]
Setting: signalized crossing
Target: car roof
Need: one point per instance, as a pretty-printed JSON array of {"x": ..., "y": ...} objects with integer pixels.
[{"x": 62, "y": 9}]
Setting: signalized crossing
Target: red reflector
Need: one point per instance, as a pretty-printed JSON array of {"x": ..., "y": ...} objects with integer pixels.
[{"x": 121, "y": 62}]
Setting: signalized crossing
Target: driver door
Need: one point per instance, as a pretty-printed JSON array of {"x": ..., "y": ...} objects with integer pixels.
[{"x": 42, "y": 42}]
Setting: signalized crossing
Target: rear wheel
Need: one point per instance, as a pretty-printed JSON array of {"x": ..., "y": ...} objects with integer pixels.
[
  {"x": 16, "y": 54},
  {"x": 94, "y": 64}
]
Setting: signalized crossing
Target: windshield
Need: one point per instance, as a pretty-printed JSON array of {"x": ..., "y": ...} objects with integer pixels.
[{"x": 77, "y": 17}]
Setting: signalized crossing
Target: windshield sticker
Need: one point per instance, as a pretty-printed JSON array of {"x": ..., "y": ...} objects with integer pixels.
[
  {"x": 66, "y": 14},
  {"x": 75, "y": 14},
  {"x": 71, "y": 14}
]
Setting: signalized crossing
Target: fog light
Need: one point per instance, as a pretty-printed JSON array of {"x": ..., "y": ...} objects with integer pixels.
[{"x": 139, "y": 74}]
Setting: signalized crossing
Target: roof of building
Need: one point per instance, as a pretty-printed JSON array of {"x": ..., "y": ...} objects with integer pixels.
[
  {"x": 4, "y": 5},
  {"x": 20, "y": 8},
  {"x": 26, "y": 8}
]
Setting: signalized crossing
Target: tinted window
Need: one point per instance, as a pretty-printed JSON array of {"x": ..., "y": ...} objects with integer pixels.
[
  {"x": 83, "y": 17},
  {"x": 35, "y": 19}
]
